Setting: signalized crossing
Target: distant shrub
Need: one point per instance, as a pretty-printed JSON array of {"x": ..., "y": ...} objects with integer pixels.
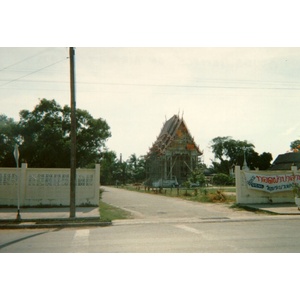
[{"x": 222, "y": 179}]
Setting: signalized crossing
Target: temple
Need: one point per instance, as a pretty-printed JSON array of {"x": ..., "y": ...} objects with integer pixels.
[
  {"x": 173, "y": 156},
  {"x": 286, "y": 161}
]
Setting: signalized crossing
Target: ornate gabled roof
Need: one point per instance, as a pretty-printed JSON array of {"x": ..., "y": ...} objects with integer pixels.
[
  {"x": 169, "y": 133},
  {"x": 286, "y": 161}
]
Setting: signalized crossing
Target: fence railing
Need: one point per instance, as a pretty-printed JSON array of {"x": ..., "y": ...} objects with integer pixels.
[{"x": 35, "y": 187}]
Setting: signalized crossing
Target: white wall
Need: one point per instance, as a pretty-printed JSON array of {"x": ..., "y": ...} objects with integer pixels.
[
  {"x": 36, "y": 187},
  {"x": 246, "y": 195}
]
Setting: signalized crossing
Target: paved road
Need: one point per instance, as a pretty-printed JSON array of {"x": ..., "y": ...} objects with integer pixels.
[
  {"x": 268, "y": 236},
  {"x": 150, "y": 208},
  {"x": 165, "y": 225}
]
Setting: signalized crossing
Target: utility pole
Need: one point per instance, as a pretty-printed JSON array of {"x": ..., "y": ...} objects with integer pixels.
[
  {"x": 73, "y": 135},
  {"x": 16, "y": 155}
]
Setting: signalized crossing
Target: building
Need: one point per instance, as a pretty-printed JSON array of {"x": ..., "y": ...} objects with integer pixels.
[
  {"x": 286, "y": 161},
  {"x": 173, "y": 156}
]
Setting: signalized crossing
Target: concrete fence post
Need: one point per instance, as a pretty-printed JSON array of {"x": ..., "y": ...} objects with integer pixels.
[
  {"x": 97, "y": 182},
  {"x": 23, "y": 183},
  {"x": 238, "y": 186}
]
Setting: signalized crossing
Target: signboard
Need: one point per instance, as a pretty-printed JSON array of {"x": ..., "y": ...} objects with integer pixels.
[
  {"x": 272, "y": 183},
  {"x": 16, "y": 155}
]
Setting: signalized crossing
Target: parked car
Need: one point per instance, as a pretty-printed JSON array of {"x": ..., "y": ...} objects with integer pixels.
[{"x": 165, "y": 183}]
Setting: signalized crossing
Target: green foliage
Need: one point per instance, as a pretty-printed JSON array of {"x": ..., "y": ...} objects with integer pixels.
[
  {"x": 118, "y": 172},
  {"x": 108, "y": 163},
  {"x": 264, "y": 161},
  {"x": 9, "y": 136},
  {"x": 136, "y": 169},
  {"x": 46, "y": 134},
  {"x": 226, "y": 148},
  {"x": 230, "y": 152},
  {"x": 109, "y": 213},
  {"x": 226, "y": 194},
  {"x": 222, "y": 179},
  {"x": 295, "y": 145},
  {"x": 197, "y": 176}
]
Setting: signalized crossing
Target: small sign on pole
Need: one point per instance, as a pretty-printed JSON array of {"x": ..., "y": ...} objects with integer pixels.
[{"x": 16, "y": 155}]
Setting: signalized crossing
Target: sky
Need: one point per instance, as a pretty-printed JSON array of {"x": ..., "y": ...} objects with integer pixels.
[{"x": 246, "y": 93}]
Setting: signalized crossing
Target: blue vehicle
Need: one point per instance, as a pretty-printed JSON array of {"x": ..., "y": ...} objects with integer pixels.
[{"x": 165, "y": 183}]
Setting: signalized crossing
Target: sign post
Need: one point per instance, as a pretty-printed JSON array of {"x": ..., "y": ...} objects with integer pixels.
[{"x": 16, "y": 155}]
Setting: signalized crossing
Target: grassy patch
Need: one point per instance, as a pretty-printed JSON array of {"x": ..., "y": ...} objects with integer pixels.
[
  {"x": 109, "y": 213},
  {"x": 211, "y": 194}
]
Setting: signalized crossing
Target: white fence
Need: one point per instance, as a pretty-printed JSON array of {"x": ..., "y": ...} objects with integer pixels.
[
  {"x": 35, "y": 187},
  {"x": 265, "y": 186}
]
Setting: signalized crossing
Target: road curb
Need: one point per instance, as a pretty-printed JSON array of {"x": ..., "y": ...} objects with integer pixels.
[
  {"x": 270, "y": 211},
  {"x": 54, "y": 225}
]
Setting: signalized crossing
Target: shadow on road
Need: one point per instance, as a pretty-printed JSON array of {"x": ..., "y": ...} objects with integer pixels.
[{"x": 21, "y": 239}]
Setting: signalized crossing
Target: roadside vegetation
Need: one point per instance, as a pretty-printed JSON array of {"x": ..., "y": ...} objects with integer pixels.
[
  {"x": 222, "y": 194},
  {"x": 203, "y": 194},
  {"x": 109, "y": 213}
]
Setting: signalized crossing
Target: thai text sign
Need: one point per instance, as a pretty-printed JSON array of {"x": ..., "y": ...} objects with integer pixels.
[{"x": 272, "y": 183}]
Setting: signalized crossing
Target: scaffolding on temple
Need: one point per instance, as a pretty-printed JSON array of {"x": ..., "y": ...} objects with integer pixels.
[{"x": 173, "y": 156}]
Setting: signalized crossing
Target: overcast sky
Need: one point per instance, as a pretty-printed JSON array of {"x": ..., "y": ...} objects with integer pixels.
[{"x": 247, "y": 93}]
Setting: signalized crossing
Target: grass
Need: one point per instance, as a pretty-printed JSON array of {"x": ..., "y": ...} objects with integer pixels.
[
  {"x": 109, "y": 213},
  {"x": 204, "y": 194}
]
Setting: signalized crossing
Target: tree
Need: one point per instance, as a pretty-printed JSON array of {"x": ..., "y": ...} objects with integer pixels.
[
  {"x": 91, "y": 136},
  {"x": 46, "y": 139},
  {"x": 108, "y": 164},
  {"x": 197, "y": 176},
  {"x": 46, "y": 134},
  {"x": 9, "y": 137},
  {"x": 264, "y": 161},
  {"x": 136, "y": 168},
  {"x": 231, "y": 152},
  {"x": 295, "y": 146},
  {"x": 121, "y": 174},
  {"x": 223, "y": 179}
]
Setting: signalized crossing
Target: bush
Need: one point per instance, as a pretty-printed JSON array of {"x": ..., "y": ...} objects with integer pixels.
[{"x": 223, "y": 179}]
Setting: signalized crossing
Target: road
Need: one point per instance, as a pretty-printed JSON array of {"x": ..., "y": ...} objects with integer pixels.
[
  {"x": 146, "y": 206},
  {"x": 165, "y": 225}
]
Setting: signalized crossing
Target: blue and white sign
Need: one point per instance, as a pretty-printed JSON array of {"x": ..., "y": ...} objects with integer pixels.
[{"x": 272, "y": 183}]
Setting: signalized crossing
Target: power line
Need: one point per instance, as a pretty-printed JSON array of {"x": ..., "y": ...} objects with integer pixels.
[
  {"x": 244, "y": 86},
  {"x": 16, "y": 79},
  {"x": 27, "y": 58},
  {"x": 191, "y": 86}
]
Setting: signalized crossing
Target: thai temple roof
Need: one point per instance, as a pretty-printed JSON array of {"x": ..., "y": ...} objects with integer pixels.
[
  {"x": 169, "y": 133},
  {"x": 286, "y": 161}
]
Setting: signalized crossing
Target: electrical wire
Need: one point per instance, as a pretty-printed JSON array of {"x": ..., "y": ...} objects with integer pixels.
[
  {"x": 16, "y": 79},
  {"x": 27, "y": 58},
  {"x": 245, "y": 86},
  {"x": 191, "y": 86}
]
